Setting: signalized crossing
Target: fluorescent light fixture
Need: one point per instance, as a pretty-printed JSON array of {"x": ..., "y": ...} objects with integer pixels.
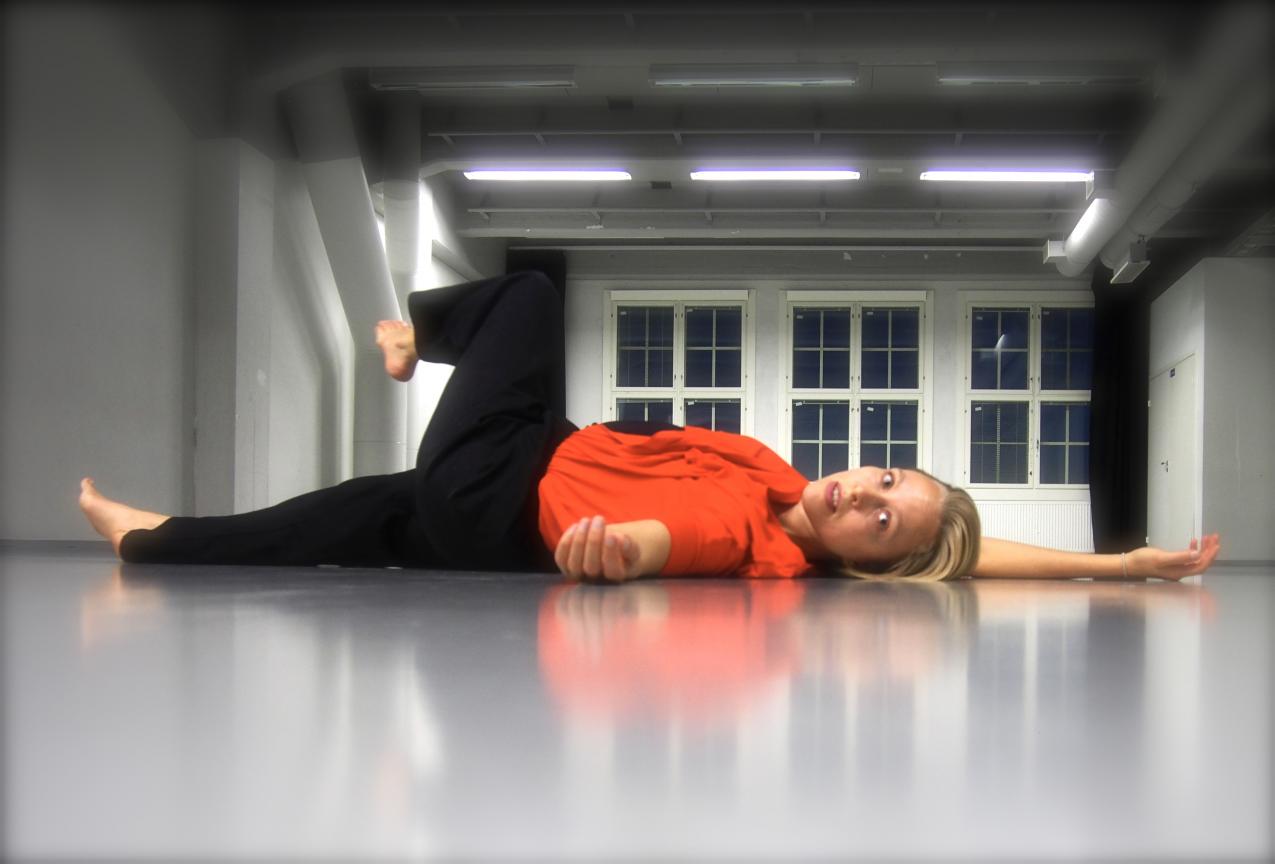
[
  {"x": 980, "y": 176},
  {"x": 534, "y": 175},
  {"x": 776, "y": 174},
  {"x": 471, "y": 77},
  {"x": 1034, "y": 73},
  {"x": 755, "y": 75}
]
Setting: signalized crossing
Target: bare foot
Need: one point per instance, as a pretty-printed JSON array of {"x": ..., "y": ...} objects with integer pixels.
[
  {"x": 397, "y": 339},
  {"x": 112, "y": 519}
]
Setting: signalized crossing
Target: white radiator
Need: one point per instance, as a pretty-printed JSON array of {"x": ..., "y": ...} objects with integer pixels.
[{"x": 1056, "y": 524}]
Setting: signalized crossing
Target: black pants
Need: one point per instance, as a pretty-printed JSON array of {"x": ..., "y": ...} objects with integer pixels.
[{"x": 471, "y": 502}]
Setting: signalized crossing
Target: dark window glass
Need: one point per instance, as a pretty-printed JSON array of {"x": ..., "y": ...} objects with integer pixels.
[
  {"x": 805, "y": 368},
  {"x": 699, "y": 367},
  {"x": 805, "y": 458},
  {"x": 985, "y": 328},
  {"x": 998, "y": 442},
  {"x": 836, "y": 457},
  {"x": 874, "y": 419},
  {"x": 805, "y": 328},
  {"x": 876, "y": 369},
  {"x": 805, "y": 421},
  {"x": 836, "y": 328},
  {"x": 659, "y": 371},
  {"x": 905, "y": 328},
  {"x": 1081, "y": 377},
  {"x": 1081, "y": 328},
  {"x": 728, "y": 416},
  {"x": 903, "y": 421},
  {"x": 1013, "y": 370},
  {"x": 1053, "y": 370},
  {"x": 983, "y": 370},
  {"x": 658, "y": 410},
  {"x": 1078, "y": 422},
  {"x": 629, "y": 409},
  {"x": 728, "y": 371},
  {"x": 875, "y": 328},
  {"x": 875, "y": 455},
  {"x": 902, "y": 456},
  {"x": 904, "y": 374},
  {"x": 836, "y": 369},
  {"x": 1053, "y": 422},
  {"x": 631, "y": 368},
  {"x": 661, "y": 327},
  {"x": 1014, "y": 328},
  {"x": 699, "y": 413},
  {"x": 1053, "y": 468},
  {"x": 1053, "y": 329},
  {"x": 632, "y": 327},
  {"x": 1078, "y": 464},
  {"x": 730, "y": 328},
  {"x": 699, "y": 328},
  {"x": 836, "y": 421}
]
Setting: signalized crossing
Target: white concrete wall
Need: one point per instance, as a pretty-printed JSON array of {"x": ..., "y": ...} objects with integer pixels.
[
  {"x": 97, "y": 276},
  {"x": 1223, "y": 311}
]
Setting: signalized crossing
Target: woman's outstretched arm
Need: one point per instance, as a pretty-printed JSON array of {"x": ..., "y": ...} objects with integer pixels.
[
  {"x": 592, "y": 549},
  {"x": 1002, "y": 559}
]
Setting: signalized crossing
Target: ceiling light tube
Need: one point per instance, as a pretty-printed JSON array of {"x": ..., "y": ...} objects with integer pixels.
[
  {"x": 755, "y": 75},
  {"x": 808, "y": 174},
  {"x": 1034, "y": 73},
  {"x": 536, "y": 175},
  {"x": 471, "y": 77},
  {"x": 982, "y": 176}
]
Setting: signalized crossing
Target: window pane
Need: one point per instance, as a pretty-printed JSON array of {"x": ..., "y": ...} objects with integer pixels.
[
  {"x": 1053, "y": 422},
  {"x": 1081, "y": 370},
  {"x": 836, "y": 457},
  {"x": 805, "y": 328},
  {"x": 903, "y": 421},
  {"x": 1014, "y": 328},
  {"x": 1081, "y": 328},
  {"x": 983, "y": 370},
  {"x": 902, "y": 456},
  {"x": 805, "y": 368},
  {"x": 982, "y": 463},
  {"x": 875, "y": 328},
  {"x": 805, "y": 458},
  {"x": 660, "y": 368},
  {"x": 836, "y": 421},
  {"x": 699, "y": 413},
  {"x": 836, "y": 328},
  {"x": 904, "y": 375},
  {"x": 1052, "y": 467},
  {"x": 998, "y": 442},
  {"x": 630, "y": 370},
  {"x": 728, "y": 372},
  {"x": 836, "y": 369},
  {"x": 875, "y": 369},
  {"x": 699, "y": 367},
  {"x": 873, "y": 454},
  {"x": 631, "y": 329},
  {"x": 1013, "y": 467},
  {"x": 1053, "y": 328},
  {"x": 1078, "y": 422},
  {"x": 728, "y": 416},
  {"x": 1013, "y": 422},
  {"x": 1053, "y": 370},
  {"x": 730, "y": 328},
  {"x": 984, "y": 329},
  {"x": 805, "y": 421},
  {"x": 873, "y": 421},
  {"x": 905, "y": 330},
  {"x": 660, "y": 412},
  {"x": 1013, "y": 370},
  {"x": 699, "y": 328},
  {"x": 1078, "y": 469},
  {"x": 630, "y": 409},
  {"x": 661, "y": 326}
]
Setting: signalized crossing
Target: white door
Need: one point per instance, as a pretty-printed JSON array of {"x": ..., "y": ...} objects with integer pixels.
[{"x": 1171, "y": 501}]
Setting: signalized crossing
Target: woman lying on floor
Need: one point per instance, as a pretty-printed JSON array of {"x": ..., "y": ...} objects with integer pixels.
[{"x": 503, "y": 483}]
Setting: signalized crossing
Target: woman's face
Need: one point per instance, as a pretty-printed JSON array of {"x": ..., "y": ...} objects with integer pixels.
[{"x": 874, "y": 515}]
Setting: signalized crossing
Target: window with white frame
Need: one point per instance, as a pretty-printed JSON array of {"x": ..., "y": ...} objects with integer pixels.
[
  {"x": 855, "y": 380},
  {"x": 678, "y": 359},
  {"x": 1028, "y": 371}
]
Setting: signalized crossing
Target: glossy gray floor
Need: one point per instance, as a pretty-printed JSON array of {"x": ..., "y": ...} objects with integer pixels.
[{"x": 216, "y": 712}]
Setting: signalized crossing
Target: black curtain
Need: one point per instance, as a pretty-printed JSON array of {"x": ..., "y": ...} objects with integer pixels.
[
  {"x": 552, "y": 263},
  {"x": 1122, "y": 379}
]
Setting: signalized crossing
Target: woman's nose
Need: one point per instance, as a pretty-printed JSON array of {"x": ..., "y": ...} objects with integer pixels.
[{"x": 861, "y": 497}]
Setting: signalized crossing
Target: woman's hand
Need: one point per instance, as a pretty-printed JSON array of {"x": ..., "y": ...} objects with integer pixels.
[
  {"x": 1151, "y": 563},
  {"x": 590, "y": 550}
]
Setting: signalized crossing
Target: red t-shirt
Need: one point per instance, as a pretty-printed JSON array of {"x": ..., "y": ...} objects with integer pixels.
[{"x": 717, "y": 493}]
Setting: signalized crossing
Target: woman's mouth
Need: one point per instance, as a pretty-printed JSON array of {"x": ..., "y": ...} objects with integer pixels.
[{"x": 833, "y": 496}]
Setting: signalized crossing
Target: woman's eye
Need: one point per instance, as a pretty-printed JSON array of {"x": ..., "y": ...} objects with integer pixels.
[
  {"x": 887, "y": 479},
  {"x": 883, "y": 519}
]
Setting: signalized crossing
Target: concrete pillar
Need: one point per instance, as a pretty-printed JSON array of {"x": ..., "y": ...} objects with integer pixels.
[
  {"x": 319, "y": 115},
  {"x": 233, "y": 272}
]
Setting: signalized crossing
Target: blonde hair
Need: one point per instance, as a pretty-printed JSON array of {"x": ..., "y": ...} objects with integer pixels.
[{"x": 953, "y": 553}]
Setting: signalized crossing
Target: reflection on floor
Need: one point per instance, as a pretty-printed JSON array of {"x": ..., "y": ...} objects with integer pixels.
[{"x": 217, "y": 712}]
